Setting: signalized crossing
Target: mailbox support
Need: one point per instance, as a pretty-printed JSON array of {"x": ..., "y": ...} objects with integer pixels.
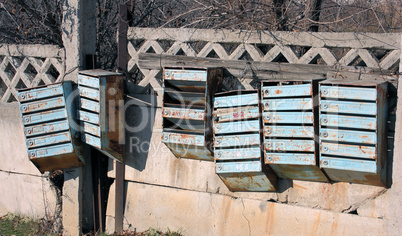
[
  {"x": 353, "y": 134},
  {"x": 290, "y": 120},
  {"x": 187, "y": 112},
  {"x": 237, "y": 142}
]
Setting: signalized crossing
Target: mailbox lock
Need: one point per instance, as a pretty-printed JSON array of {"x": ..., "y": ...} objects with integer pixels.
[
  {"x": 166, "y": 137},
  {"x": 325, "y": 134},
  {"x": 325, "y": 149},
  {"x": 218, "y": 154},
  {"x": 268, "y": 131},
  {"x": 269, "y": 158},
  {"x": 216, "y": 118},
  {"x": 266, "y": 104},
  {"x": 219, "y": 167},
  {"x": 24, "y": 108},
  {"x": 217, "y": 142},
  {"x": 167, "y": 74},
  {"x": 268, "y": 117},
  {"x": 325, "y": 163},
  {"x": 325, "y": 120},
  {"x": 325, "y": 106},
  {"x": 22, "y": 96},
  {"x": 269, "y": 144},
  {"x": 26, "y": 119},
  {"x": 30, "y": 143},
  {"x": 325, "y": 92},
  {"x": 166, "y": 112},
  {"x": 29, "y": 131},
  {"x": 266, "y": 91},
  {"x": 32, "y": 154}
]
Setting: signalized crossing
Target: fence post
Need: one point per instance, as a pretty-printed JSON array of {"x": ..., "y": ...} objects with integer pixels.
[
  {"x": 120, "y": 167},
  {"x": 395, "y": 208},
  {"x": 79, "y": 39}
]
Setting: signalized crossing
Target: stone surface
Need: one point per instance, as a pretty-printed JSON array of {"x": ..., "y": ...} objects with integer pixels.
[
  {"x": 24, "y": 190},
  {"x": 200, "y": 213}
]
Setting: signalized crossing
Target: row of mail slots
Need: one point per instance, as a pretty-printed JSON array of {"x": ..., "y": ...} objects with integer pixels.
[
  {"x": 314, "y": 130},
  {"x": 58, "y": 119}
]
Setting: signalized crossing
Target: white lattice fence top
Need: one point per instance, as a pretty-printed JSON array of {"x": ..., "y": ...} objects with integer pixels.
[
  {"x": 378, "y": 51},
  {"x": 25, "y": 66}
]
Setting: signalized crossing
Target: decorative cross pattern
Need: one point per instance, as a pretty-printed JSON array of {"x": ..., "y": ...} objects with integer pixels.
[
  {"x": 379, "y": 51},
  {"x": 26, "y": 66}
]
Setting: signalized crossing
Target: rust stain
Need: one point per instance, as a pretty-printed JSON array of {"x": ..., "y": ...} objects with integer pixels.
[
  {"x": 278, "y": 91},
  {"x": 372, "y": 209},
  {"x": 270, "y": 218},
  {"x": 334, "y": 226},
  {"x": 299, "y": 186},
  {"x": 317, "y": 224}
]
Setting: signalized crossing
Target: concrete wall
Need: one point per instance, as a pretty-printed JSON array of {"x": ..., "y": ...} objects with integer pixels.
[
  {"x": 163, "y": 191},
  {"x": 24, "y": 190}
]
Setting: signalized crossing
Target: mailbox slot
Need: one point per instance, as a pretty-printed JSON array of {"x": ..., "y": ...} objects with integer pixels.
[
  {"x": 353, "y": 139},
  {"x": 237, "y": 142},
  {"x": 290, "y": 120}
]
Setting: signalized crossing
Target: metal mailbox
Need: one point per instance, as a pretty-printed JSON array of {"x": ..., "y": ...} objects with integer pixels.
[
  {"x": 101, "y": 111},
  {"x": 290, "y": 119},
  {"x": 237, "y": 142},
  {"x": 187, "y": 112},
  {"x": 353, "y": 138},
  {"x": 51, "y": 131}
]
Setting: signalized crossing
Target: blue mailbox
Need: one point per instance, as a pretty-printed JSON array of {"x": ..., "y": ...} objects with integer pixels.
[
  {"x": 290, "y": 120},
  {"x": 101, "y": 111},
  {"x": 187, "y": 112},
  {"x": 237, "y": 142},
  {"x": 353, "y": 134},
  {"x": 51, "y": 131}
]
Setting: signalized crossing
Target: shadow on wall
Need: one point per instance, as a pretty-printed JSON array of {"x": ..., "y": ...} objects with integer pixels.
[
  {"x": 392, "y": 102},
  {"x": 140, "y": 120}
]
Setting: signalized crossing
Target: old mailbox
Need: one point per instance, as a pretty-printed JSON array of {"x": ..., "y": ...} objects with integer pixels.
[
  {"x": 101, "y": 111},
  {"x": 187, "y": 112},
  {"x": 290, "y": 120},
  {"x": 51, "y": 131},
  {"x": 237, "y": 142},
  {"x": 353, "y": 137}
]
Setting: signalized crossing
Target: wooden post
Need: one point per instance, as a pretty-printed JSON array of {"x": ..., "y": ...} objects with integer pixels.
[{"x": 120, "y": 168}]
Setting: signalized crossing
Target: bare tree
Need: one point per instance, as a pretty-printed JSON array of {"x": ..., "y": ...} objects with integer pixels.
[{"x": 39, "y": 21}]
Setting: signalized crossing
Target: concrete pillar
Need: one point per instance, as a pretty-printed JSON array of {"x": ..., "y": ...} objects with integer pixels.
[
  {"x": 79, "y": 34},
  {"x": 395, "y": 211},
  {"x": 79, "y": 39}
]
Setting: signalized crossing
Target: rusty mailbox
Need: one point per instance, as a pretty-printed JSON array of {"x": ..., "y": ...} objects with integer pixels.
[
  {"x": 353, "y": 137},
  {"x": 237, "y": 142},
  {"x": 101, "y": 112},
  {"x": 51, "y": 132},
  {"x": 290, "y": 120},
  {"x": 187, "y": 112}
]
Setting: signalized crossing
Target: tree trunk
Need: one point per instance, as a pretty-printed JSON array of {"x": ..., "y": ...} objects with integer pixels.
[
  {"x": 279, "y": 8},
  {"x": 313, "y": 10}
]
